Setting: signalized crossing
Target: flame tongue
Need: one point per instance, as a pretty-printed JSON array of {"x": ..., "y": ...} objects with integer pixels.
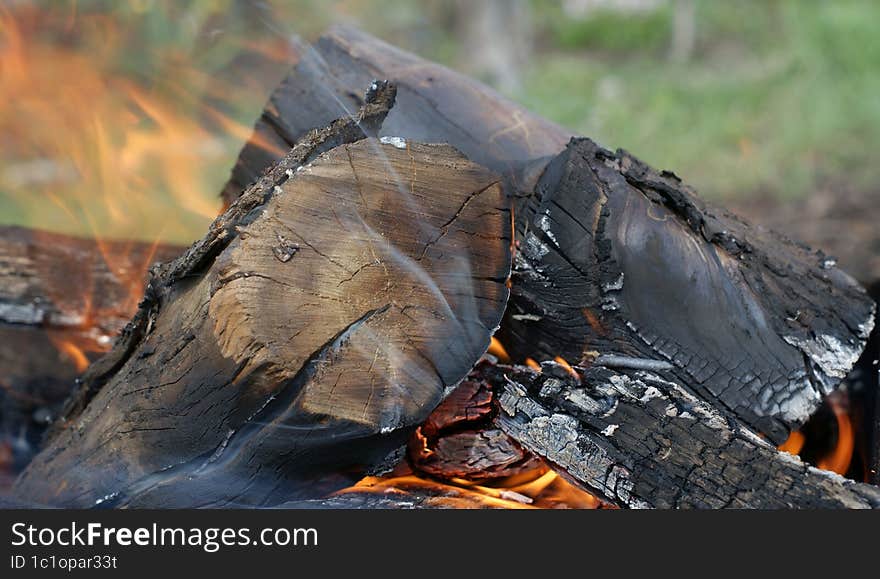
[
  {"x": 540, "y": 488},
  {"x": 838, "y": 460}
]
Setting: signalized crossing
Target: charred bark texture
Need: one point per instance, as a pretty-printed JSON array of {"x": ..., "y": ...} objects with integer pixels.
[
  {"x": 59, "y": 281},
  {"x": 641, "y": 441},
  {"x": 618, "y": 260},
  {"x": 322, "y": 318},
  {"x": 434, "y": 105}
]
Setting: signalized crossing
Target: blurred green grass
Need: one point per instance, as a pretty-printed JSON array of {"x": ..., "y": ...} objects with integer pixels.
[{"x": 779, "y": 98}]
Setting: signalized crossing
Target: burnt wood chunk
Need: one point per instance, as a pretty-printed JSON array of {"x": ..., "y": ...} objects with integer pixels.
[
  {"x": 323, "y": 317},
  {"x": 639, "y": 440},
  {"x": 458, "y": 439},
  {"x": 61, "y": 281},
  {"x": 434, "y": 105},
  {"x": 617, "y": 259}
]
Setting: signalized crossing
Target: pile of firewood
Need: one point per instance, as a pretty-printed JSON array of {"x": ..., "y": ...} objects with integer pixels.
[{"x": 351, "y": 284}]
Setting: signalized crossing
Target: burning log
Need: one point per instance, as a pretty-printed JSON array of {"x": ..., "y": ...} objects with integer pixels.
[
  {"x": 324, "y": 315},
  {"x": 642, "y": 441},
  {"x": 51, "y": 280},
  {"x": 62, "y": 301},
  {"x": 620, "y": 262},
  {"x": 434, "y": 105}
]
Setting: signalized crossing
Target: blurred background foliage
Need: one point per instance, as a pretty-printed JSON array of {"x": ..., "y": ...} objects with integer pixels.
[{"x": 125, "y": 117}]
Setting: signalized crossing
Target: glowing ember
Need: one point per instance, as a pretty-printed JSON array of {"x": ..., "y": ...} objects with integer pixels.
[
  {"x": 794, "y": 443},
  {"x": 434, "y": 474}
]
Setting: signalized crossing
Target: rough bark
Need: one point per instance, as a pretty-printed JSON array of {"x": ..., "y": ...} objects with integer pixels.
[
  {"x": 434, "y": 105},
  {"x": 641, "y": 441},
  {"x": 618, "y": 259},
  {"x": 322, "y": 318}
]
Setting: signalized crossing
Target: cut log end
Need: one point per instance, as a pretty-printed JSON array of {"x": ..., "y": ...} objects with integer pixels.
[
  {"x": 618, "y": 259},
  {"x": 371, "y": 258},
  {"x": 334, "y": 317}
]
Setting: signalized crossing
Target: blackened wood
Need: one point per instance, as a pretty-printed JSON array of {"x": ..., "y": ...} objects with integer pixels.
[
  {"x": 869, "y": 374},
  {"x": 619, "y": 259},
  {"x": 434, "y": 105},
  {"x": 639, "y": 440},
  {"x": 323, "y": 317},
  {"x": 61, "y": 281},
  {"x": 63, "y": 299}
]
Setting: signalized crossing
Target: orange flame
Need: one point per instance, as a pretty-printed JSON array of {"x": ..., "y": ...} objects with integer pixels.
[
  {"x": 794, "y": 443},
  {"x": 77, "y": 356},
  {"x": 498, "y": 350},
  {"x": 561, "y": 361},
  {"x": 93, "y": 148},
  {"x": 539, "y": 488},
  {"x": 838, "y": 460}
]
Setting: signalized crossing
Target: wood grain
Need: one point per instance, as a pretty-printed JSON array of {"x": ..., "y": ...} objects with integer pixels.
[{"x": 334, "y": 318}]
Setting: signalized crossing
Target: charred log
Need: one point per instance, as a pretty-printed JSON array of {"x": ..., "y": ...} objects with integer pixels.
[
  {"x": 434, "y": 105},
  {"x": 641, "y": 441},
  {"x": 322, "y": 318},
  {"x": 65, "y": 282},
  {"x": 618, "y": 260},
  {"x": 63, "y": 300},
  {"x": 797, "y": 324}
]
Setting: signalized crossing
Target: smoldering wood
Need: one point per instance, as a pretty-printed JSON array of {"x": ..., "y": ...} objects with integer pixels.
[
  {"x": 611, "y": 228},
  {"x": 619, "y": 260},
  {"x": 638, "y": 440},
  {"x": 66, "y": 282},
  {"x": 346, "y": 299},
  {"x": 458, "y": 439},
  {"x": 58, "y": 290},
  {"x": 869, "y": 377},
  {"x": 434, "y": 105}
]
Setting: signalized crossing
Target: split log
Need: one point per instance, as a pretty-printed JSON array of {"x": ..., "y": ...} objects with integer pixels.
[
  {"x": 641, "y": 441},
  {"x": 434, "y": 105},
  {"x": 617, "y": 259},
  {"x": 63, "y": 299},
  {"x": 322, "y": 318}
]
